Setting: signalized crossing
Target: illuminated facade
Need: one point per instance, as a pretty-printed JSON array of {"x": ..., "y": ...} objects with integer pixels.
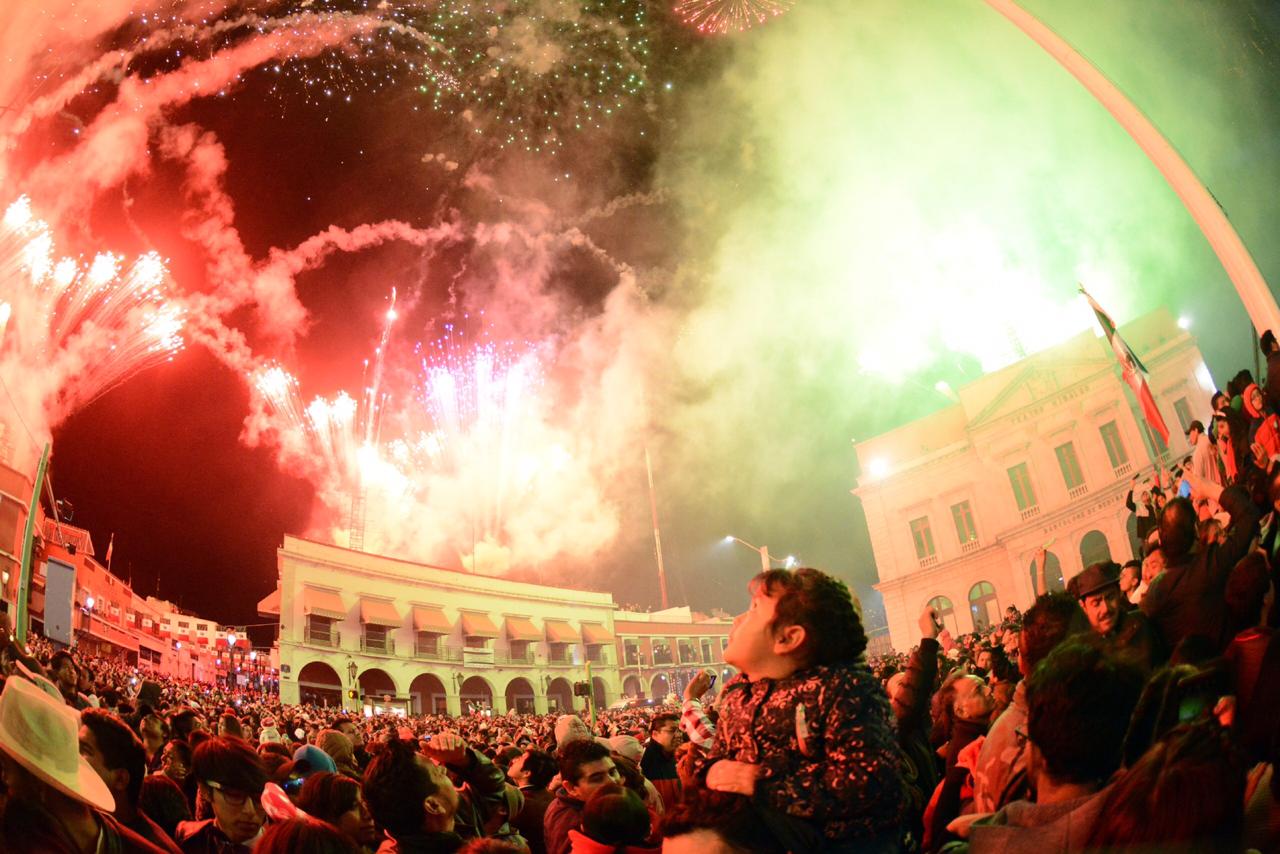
[
  {"x": 660, "y": 651},
  {"x": 1041, "y": 452},
  {"x": 377, "y": 633}
]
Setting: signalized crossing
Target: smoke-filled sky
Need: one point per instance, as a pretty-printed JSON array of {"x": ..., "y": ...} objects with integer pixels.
[{"x": 739, "y": 252}]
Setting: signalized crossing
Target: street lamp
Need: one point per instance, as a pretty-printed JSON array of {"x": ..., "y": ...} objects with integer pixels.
[{"x": 765, "y": 558}]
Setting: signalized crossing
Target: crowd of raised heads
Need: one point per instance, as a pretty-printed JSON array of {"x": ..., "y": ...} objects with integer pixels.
[{"x": 1130, "y": 712}]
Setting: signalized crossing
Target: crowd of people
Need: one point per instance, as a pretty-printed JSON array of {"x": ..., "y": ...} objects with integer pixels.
[{"x": 1130, "y": 712}]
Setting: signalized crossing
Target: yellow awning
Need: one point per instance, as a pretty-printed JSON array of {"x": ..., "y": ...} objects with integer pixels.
[
  {"x": 376, "y": 612},
  {"x": 323, "y": 603},
  {"x": 479, "y": 626},
  {"x": 522, "y": 629},
  {"x": 270, "y": 606},
  {"x": 430, "y": 619},
  {"x": 559, "y": 631},
  {"x": 596, "y": 633}
]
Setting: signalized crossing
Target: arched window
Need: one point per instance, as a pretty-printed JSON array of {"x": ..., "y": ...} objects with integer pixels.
[
  {"x": 1052, "y": 574},
  {"x": 1094, "y": 548},
  {"x": 983, "y": 605},
  {"x": 946, "y": 613}
]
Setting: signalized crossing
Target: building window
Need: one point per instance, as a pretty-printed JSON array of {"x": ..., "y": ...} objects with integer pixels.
[
  {"x": 1069, "y": 464},
  {"x": 631, "y": 649},
  {"x": 962, "y": 515},
  {"x": 922, "y": 534},
  {"x": 1115, "y": 446},
  {"x": 375, "y": 638},
  {"x": 1052, "y": 574},
  {"x": 662, "y": 653},
  {"x": 183, "y": 624},
  {"x": 708, "y": 655},
  {"x": 1157, "y": 442},
  {"x": 946, "y": 613},
  {"x": 427, "y": 643},
  {"x": 559, "y": 653},
  {"x": 475, "y": 642},
  {"x": 1183, "y": 410},
  {"x": 320, "y": 630},
  {"x": 688, "y": 652},
  {"x": 983, "y": 605},
  {"x": 1023, "y": 493}
]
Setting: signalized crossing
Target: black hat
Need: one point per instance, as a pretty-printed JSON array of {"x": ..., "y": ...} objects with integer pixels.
[
  {"x": 1097, "y": 576},
  {"x": 1195, "y": 425}
]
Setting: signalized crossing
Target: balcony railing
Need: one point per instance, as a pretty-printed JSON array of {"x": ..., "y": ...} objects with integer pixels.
[
  {"x": 1030, "y": 512},
  {"x": 436, "y": 652},
  {"x": 598, "y": 656},
  {"x": 970, "y": 546},
  {"x": 928, "y": 561},
  {"x": 1078, "y": 491},
  {"x": 559, "y": 659},
  {"x": 314, "y": 636},
  {"x": 378, "y": 646},
  {"x": 525, "y": 659},
  {"x": 1123, "y": 469}
]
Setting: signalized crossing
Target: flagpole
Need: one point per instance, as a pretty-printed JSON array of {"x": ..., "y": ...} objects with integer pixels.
[{"x": 1199, "y": 202}]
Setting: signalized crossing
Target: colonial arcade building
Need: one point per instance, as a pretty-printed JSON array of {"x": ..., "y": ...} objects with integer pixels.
[
  {"x": 377, "y": 634},
  {"x": 1042, "y": 452}
]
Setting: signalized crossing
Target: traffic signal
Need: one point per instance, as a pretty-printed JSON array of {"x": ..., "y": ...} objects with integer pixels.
[{"x": 581, "y": 689}]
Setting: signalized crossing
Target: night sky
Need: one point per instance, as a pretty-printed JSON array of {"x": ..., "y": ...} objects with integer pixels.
[{"x": 766, "y": 179}]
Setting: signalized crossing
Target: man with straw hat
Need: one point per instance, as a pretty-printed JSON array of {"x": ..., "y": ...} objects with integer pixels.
[{"x": 56, "y": 801}]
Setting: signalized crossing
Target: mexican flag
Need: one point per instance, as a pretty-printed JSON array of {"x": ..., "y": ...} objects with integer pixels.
[{"x": 1135, "y": 374}]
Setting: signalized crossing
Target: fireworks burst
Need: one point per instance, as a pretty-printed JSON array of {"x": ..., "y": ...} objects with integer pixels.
[
  {"x": 82, "y": 329},
  {"x": 728, "y": 16}
]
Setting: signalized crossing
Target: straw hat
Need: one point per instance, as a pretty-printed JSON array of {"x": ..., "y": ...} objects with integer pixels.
[{"x": 43, "y": 736}]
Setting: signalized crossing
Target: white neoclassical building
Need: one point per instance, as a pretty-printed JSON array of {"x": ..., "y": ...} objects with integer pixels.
[
  {"x": 378, "y": 633},
  {"x": 1039, "y": 453}
]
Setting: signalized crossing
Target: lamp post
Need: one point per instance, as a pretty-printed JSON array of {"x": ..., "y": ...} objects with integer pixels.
[{"x": 765, "y": 558}]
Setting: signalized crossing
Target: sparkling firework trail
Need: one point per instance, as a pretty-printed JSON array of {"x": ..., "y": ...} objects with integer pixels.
[
  {"x": 80, "y": 329},
  {"x": 729, "y": 16}
]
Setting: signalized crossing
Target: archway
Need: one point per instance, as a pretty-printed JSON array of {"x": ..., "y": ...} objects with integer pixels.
[
  {"x": 659, "y": 687},
  {"x": 599, "y": 692},
  {"x": 1094, "y": 548},
  {"x": 375, "y": 682},
  {"x": 560, "y": 695},
  {"x": 476, "y": 695},
  {"x": 983, "y": 605},
  {"x": 427, "y": 691},
  {"x": 319, "y": 685},
  {"x": 947, "y": 614},
  {"x": 520, "y": 696},
  {"x": 1052, "y": 574},
  {"x": 632, "y": 688}
]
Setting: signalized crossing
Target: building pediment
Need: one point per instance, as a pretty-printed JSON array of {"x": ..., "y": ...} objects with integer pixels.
[{"x": 1037, "y": 389}]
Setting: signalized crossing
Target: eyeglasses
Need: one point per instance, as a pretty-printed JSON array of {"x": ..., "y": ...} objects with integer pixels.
[{"x": 234, "y": 797}]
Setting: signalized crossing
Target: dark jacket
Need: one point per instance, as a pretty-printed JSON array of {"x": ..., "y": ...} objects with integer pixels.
[
  {"x": 529, "y": 821},
  {"x": 150, "y": 831},
  {"x": 1135, "y": 640},
  {"x": 1189, "y": 598},
  {"x": 660, "y": 769},
  {"x": 831, "y": 765},
  {"x": 1272, "y": 393},
  {"x": 205, "y": 837},
  {"x": 920, "y": 763},
  {"x": 444, "y": 842},
  {"x": 484, "y": 785},
  {"x": 563, "y": 815},
  {"x": 1024, "y": 827}
]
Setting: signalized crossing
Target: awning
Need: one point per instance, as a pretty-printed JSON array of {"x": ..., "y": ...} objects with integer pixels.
[
  {"x": 323, "y": 603},
  {"x": 559, "y": 631},
  {"x": 270, "y": 606},
  {"x": 479, "y": 626},
  {"x": 522, "y": 629},
  {"x": 375, "y": 612},
  {"x": 596, "y": 633},
  {"x": 429, "y": 619}
]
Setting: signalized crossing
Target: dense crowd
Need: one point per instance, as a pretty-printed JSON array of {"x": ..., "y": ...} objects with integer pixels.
[{"x": 1130, "y": 712}]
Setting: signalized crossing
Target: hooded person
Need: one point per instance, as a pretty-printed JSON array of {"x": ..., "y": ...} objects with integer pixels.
[
  {"x": 269, "y": 732},
  {"x": 56, "y": 800},
  {"x": 340, "y": 750}
]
